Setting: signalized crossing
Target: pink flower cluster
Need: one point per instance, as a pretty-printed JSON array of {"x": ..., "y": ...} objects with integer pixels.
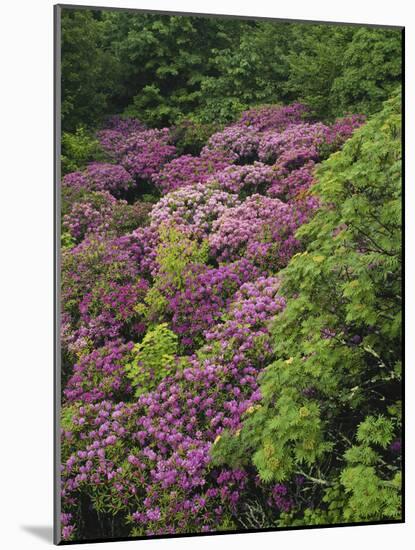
[
  {"x": 261, "y": 229},
  {"x": 206, "y": 298},
  {"x": 144, "y": 153},
  {"x": 100, "y": 213},
  {"x": 188, "y": 170},
  {"x": 192, "y": 210},
  {"x": 274, "y": 117},
  {"x": 140, "y": 151},
  {"x": 105, "y": 364},
  {"x": 246, "y": 179}
]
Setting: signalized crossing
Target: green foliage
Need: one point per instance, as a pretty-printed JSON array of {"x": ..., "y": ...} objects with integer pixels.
[
  {"x": 315, "y": 61},
  {"x": 247, "y": 74},
  {"x": 369, "y": 496},
  {"x": 371, "y": 70},
  {"x": 164, "y": 59},
  {"x": 67, "y": 241},
  {"x": 338, "y": 69},
  {"x": 154, "y": 359},
  {"x": 175, "y": 253},
  {"x": 89, "y": 69},
  {"x": 190, "y": 136},
  {"x": 377, "y": 431},
  {"x": 79, "y": 148},
  {"x": 336, "y": 376}
]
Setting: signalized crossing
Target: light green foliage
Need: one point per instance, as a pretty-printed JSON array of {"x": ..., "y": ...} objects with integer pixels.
[
  {"x": 153, "y": 358},
  {"x": 174, "y": 254},
  {"x": 79, "y": 148},
  {"x": 335, "y": 383},
  {"x": 378, "y": 431},
  {"x": 67, "y": 241},
  {"x": 369, "y": 496}
]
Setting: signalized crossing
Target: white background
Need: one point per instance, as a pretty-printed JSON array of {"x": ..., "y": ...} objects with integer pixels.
[{"x": 26, "y": 272}]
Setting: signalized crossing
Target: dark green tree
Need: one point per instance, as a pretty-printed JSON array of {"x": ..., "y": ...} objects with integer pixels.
[
  {"x": 249, "y": 73},
  {"x": 164, "y": 59},
  {"x": 89, "y": 70},
  {"x": 371, "y": 69},
  {"x": 339, "y": 69}
]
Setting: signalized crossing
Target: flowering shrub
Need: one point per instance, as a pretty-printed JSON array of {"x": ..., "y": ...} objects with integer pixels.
[
  {"x": 300, "y": 141},
  {"x": 261, "y": 229},
  {"x": 91, "y": 214},
  {"x": 240, "y": 142},
  {"x": 144, "y": 153},
  {"x": 100, "y": 374},
  {"x": 116, "y": 131},
  {"x": 188, "y": 170},
  {"x": 100, "y": 176},
  {"x": 192, "y": 210},
  {"x": 205, "y": 297},
  {"x": 274, "y": 117},
  {"x": 167, "y": 312},
  {"x": 244, "y": 180},
  {"x": 154, "y": 454}
]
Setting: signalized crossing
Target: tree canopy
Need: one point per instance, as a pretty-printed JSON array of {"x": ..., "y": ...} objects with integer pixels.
[{"x": 162, "y": 69}]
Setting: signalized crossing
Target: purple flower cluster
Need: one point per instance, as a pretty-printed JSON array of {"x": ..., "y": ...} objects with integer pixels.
[
  {"x": 296, "y": 143},
  {"x": 144, "y": 153},
  {"x": 206, "y": 297},
  {"x": 116, "y": 131},
  {"x": 274, "y": 117},
  {"x": 100, "y": 176},
  {"x": 91, "y": 214},
  {"x": 100, "y": 374},
  {"x": 165, "y": 437},
  {"x": 239, "y": 141},
  {"x": 141, "y": 152},
  {"x": 100, "y": 213}
]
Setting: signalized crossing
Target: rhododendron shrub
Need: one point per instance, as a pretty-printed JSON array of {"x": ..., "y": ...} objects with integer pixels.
[
  {"x": 192, "y": 210},
  {"x": 144, "y": 153},
  {"x": 206, "y": 295},
  {"x": 154, "y": 454},
  {"x": 261, "y": 229},
  {"x": 100, "y": 176},
  {"x": 188, "y": 170},
  {"x": 274, "y": 117},
  {"x": 101, "y": 374},
  {"x": 245, "y": 180},
  {"x": 100, "y": 213},
  {"x": 167, "y": 306}
]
